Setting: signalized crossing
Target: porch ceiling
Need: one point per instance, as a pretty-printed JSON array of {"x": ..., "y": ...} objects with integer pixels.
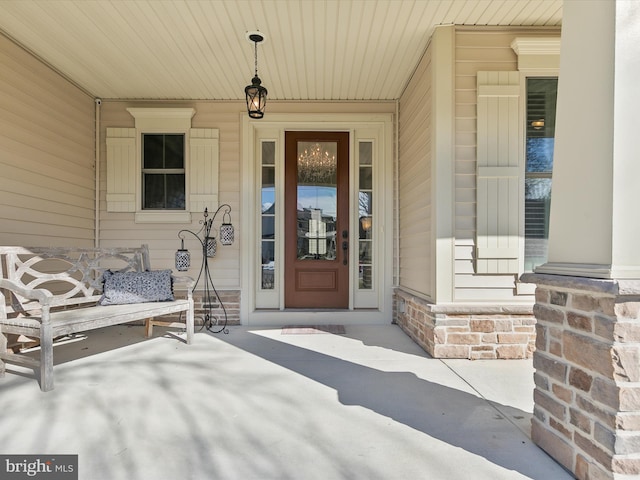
[{"x": 314, "y": 49}]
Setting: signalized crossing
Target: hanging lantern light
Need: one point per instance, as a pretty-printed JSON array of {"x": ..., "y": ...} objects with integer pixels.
[
  {"x": 255, "y": 93},
  {"x": 183, "y": 258}
]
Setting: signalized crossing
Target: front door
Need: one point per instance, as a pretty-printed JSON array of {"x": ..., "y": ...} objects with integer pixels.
[{"x": 316, "y": 220}]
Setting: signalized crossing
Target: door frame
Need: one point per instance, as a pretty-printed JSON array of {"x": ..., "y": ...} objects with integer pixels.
[{"x": 365, "y": 307}]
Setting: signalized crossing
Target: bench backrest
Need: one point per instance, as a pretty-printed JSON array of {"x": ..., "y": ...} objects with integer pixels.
[{"x": 72, "y": 275}]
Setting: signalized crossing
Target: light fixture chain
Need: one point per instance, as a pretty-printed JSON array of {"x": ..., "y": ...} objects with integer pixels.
[{"x": 255, "y": 56}]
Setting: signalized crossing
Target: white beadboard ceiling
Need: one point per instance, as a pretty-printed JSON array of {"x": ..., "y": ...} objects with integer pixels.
[{"x": 197, "y": 49}]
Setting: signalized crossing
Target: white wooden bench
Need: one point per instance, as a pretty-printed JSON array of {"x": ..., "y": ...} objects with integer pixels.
[{"x": 46, "y": 293}]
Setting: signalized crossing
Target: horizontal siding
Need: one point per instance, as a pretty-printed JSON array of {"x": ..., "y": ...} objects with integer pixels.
[
  {"x": 477, "y": 50},
  {"x": 414, "y": 182},
  {"x": 46, "y": 155}
]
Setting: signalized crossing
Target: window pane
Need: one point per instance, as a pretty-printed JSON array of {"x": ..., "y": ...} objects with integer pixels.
[
  {"x": 536, "y": 211},
  {"x": 268, "y": 153},
  {"x": 153, "y": 191},
  {"x": 364, "y": 213},
  {"x": 365, "y": 151},
  {"x": 365, "y": 276},
  {"x": 541, "y": 107},
  {"x": 153, "y": 151},
  {"x": 175, "y": 191},
  {"x": 173, "y": 151},
  {"x": 540, "y": 154},
  {"x": 268, "y": 176},
  {"x": 365, "y": 252},
  {"x": 268, "y": 265},
  {"x": 268, "y": 201},
  {"x": 541, "y": 115},
  {"x": 163, "y": 191},
  {"x": 365, "y": 178},
  {"x": 268, "y": 227}
]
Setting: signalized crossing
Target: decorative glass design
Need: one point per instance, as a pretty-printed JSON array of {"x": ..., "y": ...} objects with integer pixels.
[{"x": 317, "y": 197}]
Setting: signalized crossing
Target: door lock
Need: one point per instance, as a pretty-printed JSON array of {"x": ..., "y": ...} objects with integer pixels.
[{"x": 345, "y": 252}]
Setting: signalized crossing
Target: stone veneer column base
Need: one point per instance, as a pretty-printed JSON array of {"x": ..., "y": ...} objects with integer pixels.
[
  {"x": 587, "y": 360},
  {"x": 467, "y": 331}
]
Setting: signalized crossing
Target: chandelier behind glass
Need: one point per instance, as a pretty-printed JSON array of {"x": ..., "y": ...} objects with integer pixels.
[{"x": 316, "y": 166}]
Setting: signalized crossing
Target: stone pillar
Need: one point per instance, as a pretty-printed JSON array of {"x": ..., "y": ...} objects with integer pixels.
[{"x": 587, "y": 359}]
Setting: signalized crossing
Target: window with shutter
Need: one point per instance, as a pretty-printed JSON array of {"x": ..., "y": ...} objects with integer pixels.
[
  {"x": 498, "y": 173},
  {"x": 162, "y": 169}
]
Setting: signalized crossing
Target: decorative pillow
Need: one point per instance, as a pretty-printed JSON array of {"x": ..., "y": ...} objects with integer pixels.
[{"x": 136, "y": 287}]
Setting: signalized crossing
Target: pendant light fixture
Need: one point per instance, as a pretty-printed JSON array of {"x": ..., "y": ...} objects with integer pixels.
[{"x": 256, "y": 94}]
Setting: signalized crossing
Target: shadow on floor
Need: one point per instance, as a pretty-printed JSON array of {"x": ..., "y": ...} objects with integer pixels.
[{"x": 453, "y": 416}]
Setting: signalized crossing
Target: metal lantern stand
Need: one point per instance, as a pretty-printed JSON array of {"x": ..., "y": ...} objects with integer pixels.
[{"x": 208, "y": 243}]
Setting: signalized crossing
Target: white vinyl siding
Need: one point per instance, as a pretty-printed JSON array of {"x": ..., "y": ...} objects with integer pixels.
[
  {"x": 480, "y": 50},
  {"x": 498, "y": 175},
  {"x": 47, "y": 156},
  {"x": 415, "y": 182}
]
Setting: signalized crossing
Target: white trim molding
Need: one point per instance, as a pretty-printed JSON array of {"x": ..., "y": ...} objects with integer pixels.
[{"x": 537, "y": 54}]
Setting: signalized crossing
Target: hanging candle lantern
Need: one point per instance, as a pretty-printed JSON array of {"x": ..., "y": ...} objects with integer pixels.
[
  {"x": 226, "y": 230},
  {"x": 183, "y": 259},
  {"x": 210, "y": 246}
]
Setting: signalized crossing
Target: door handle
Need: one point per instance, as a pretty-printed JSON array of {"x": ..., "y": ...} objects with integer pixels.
[{"x": 345, "y": 253}]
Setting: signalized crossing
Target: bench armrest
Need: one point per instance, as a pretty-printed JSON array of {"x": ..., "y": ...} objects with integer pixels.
[
  {"x": 183, "y": 283},
  {"x": 44, "y": 297}
]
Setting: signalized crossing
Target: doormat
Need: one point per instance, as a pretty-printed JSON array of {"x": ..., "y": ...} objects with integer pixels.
[{"x": 310, "y": 329}]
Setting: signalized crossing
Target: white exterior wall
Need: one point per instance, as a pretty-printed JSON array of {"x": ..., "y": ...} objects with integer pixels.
[
  {"x": 420, "y": 129},
  {"x": 478, "y": 50},
  {"x": 46, "y": 155},
  {"x": 415, "y": 183}
]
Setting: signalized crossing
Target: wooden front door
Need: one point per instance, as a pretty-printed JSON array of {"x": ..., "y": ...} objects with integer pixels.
[{"x": 316, "y": 220}]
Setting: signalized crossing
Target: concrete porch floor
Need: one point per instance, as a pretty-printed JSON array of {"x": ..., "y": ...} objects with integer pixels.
[{"x": 257, "y": 404}]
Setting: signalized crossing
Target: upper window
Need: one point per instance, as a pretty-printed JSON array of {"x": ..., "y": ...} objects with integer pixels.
[
  {"x": 163, "y": 172},
  {"x": 540, "y": 136}
]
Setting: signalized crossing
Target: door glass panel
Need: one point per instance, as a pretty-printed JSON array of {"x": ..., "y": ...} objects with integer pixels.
[
  {"x": 365, "y": 214},
  {"x": 317, "y": 200},
  {"x": 268, "y": 214}
]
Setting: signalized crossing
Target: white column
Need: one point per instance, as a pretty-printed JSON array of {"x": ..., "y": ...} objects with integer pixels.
[{"x": 594, "y": 224}]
